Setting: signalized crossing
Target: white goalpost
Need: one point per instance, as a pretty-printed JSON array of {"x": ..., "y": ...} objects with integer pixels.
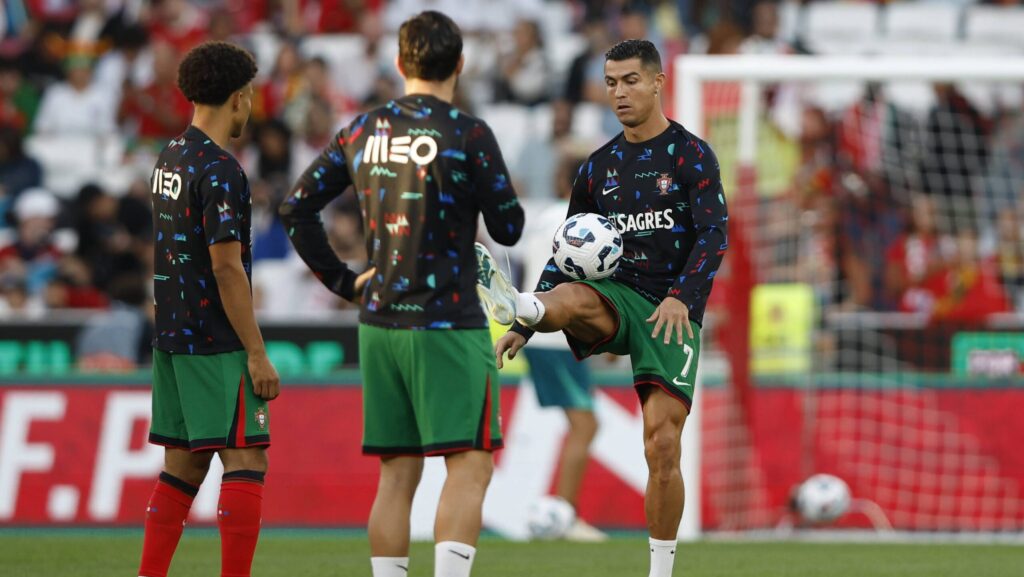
[{"x": 877, "y": 379}]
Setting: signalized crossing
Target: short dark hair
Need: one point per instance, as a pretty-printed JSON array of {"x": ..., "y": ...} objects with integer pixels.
[
  {"x": 213, "y": 71},
  {"x": 429, "y": 46},
  {"x": 642, "y": 49}
]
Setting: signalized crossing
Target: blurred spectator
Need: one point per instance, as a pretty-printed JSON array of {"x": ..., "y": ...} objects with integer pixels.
[
  {"x": 764, "y": 36},
  {"x": 971, "y": 290},
  {"x": 1004, "y": 178},
  {"x": 877, "y": 137},
  {"x": 587, "y": 69},
  {"x": 222, "y": 26},
  {"x": 14, "y": 297},
  {"x": 359, "y": 77},
  {"x": 71, "y": 287},
  {"x": 129, "y": 65},
  {"x": 316, "y": 134},
  {"x": 105, "y": 244},
  {"x": 869, "y": 222},
  {"x": 319, "y": 89},
  {"x": 118, "y": 339},
  {"x": 815, "y": 176},
  {"x": 274, "y": 153},
  {"x": 1010, "y": 255},
  {"x": 19, "y": 100},
  {"x": 33, "y": 255},
  {"x": 77, "y": 106},
  {"x": 18, "y": 171},
  {"x": 159, "y": 111},
  {"x": 917, "y": 263},
  {"x": 282, "y": 86},
  {"x": 524, "y": 76},
  {"x": 955, "y": 153},
  {"x": 179, "y": 23},
  {"x": 537, "y": 163}
]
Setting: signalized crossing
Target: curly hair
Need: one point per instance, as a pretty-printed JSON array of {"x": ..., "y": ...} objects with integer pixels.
[
  {"x": 642, "y": 49},
  {"x": 211, "y": 72}
]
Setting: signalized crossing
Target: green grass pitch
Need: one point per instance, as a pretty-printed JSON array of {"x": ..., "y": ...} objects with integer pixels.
[{"x": 323, "y": 554}]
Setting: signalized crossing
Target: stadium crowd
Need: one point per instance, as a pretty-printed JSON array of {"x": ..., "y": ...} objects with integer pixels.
[{"x": 894, "y": 211}]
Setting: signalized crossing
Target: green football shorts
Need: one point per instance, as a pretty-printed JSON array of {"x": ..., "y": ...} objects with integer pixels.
[
  {"x": 428, "y": 392},
  {"x": 206, "y": 402},
  {"x": 671, "y": 367}
]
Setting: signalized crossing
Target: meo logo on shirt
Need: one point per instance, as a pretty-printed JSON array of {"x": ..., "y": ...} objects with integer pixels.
[
  {"x": 382, "y": 148},
  {"x": 166, "y": 183}
]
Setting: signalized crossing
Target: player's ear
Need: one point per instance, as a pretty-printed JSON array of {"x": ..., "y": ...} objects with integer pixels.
[
  {"x": 462, "y": 62},
  {"x": 398, "y": 66},
  {"x": 659, "y": 82}
]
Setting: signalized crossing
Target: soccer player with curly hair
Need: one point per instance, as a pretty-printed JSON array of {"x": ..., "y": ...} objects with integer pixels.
[{"x": 211, "y": 375}]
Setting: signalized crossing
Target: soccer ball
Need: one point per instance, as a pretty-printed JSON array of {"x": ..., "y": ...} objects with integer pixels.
[
  {"x": 823, "y": 498},
  {"x": 587, "y": 247},
  {"x": 550, "y": 518}
]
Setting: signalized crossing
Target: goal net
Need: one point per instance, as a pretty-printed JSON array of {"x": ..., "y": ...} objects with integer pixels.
[{"x": 870, "y": 312}]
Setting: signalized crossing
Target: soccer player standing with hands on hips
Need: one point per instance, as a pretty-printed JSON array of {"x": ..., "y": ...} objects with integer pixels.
[
  {"x": 211, "y": 375},
  {"x": 659, "y": 184},
  {"x": 424, "y": 171}
]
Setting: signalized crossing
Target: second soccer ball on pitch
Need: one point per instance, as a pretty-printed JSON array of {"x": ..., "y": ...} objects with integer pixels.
[
  {"x": 587, "y": 247},
  {"x": 823, "y": 498},
  {"x": 549, "y": 518}
]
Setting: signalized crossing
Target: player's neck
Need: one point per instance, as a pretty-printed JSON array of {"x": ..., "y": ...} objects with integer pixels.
[
  {"x": 216, "y": 126},
  {"x": 654, "y": 126},
  {"x": 441, "y": 90}
]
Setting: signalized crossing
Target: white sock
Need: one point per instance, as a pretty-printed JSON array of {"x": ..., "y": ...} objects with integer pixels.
[
  {"x": 663, "y": 554},
  {"x": 390, "y": 566},
  {"x": 529, "y": 309},
  {"x": 453, "y": 559}
]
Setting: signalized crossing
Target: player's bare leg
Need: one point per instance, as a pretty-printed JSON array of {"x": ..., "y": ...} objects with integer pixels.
[
  {"x": 664, "y": 417},
  {"x": 186, "y": 465},
  {"x": 578, "y": 309},
  {"x": 459, "y": 513},
  {"x": 389, "y": 517},
  {"x": 582, "y": 430}
]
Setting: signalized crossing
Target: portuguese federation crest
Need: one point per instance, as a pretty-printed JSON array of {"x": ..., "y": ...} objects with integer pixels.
[
  {"x": 261, "y": 419},
  {"x": 664, "y": 183}
]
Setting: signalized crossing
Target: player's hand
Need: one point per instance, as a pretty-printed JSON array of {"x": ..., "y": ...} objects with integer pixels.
[
  {"x": 265, "y": 382},
  {"x": 361, "y": 281},
  {"x": 510, "y": 342},
  {"x": 672, "y": 315}
]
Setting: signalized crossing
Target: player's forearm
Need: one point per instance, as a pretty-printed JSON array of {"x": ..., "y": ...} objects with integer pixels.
[
  {"x": 236, "y": 297},
  {"x": 702, "y": 266},
  {"x": 307, "y": 235},
  {"x": 504, "y": 216}
]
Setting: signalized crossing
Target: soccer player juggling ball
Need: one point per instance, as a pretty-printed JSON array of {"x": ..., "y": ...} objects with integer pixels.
[
  {"x": 659, "y": 184},
  {"x": 423, "y": 171},
  {"x": 211, "y": 375}
]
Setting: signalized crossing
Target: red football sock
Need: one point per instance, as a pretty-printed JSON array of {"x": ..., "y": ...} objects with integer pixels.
[
  {"x": 238, "y": 514},
  {"x": 165, "y": 519}
]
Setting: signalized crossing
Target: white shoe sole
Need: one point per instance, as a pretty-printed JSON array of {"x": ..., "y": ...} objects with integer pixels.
[{"x": 496, "y": 292}]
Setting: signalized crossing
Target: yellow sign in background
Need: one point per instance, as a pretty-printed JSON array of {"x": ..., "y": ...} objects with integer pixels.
[{"x": 781, "y": 324}]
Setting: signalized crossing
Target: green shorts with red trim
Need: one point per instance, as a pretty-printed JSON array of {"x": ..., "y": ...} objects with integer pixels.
[
  {"x": 428, "y": 392},
  {"x": 206, "y": 403},
  {"x": 671, "y": 367}
]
